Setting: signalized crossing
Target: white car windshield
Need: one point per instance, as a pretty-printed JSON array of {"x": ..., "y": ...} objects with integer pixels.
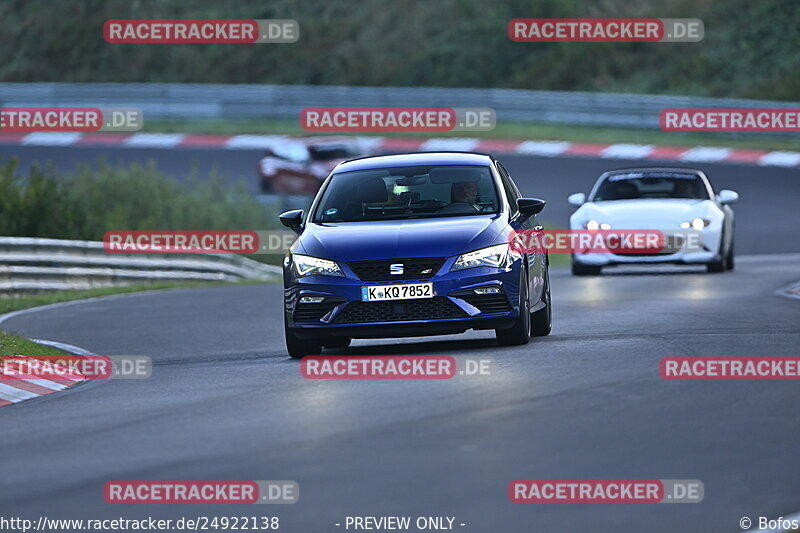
[{"x": 657, "y": 185}]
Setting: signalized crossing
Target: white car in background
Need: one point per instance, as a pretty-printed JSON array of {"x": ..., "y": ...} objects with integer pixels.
[{"x": 666, "y": 199}]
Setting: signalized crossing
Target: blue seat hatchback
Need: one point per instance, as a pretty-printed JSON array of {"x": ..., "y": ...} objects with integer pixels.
[{"x": 413, "y": 245}]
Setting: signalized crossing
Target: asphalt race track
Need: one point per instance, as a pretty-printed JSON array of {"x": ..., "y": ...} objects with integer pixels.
[{"x": 225, "y": 402}]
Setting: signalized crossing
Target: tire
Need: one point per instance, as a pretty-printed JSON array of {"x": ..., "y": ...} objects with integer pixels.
[
  {"x": 338, "y": 343},
  {"x": 520, "y": 332},
  {"x": 542, "y": 320},
  {"x": 715, "y": 266},
  {"x": 297, "y": 348},
  {"x": 729, "y": 259},
  {"x": 585, "y": 270},
  {"x": 719, "y": 265},
  {"x": 266, "y": 186}
]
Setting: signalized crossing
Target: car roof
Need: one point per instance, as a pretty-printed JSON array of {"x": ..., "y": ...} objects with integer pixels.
[
  {"x": 323, "y": 139},
  {"x": 313, "y": 142},
  {"x": 414, "y": 159},
  {"x": 676, "y": 170}
]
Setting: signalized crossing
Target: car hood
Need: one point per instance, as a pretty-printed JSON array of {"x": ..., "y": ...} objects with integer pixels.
[
  {"x": 642, "y": 214},
  {"x": 391, "y": 239}
]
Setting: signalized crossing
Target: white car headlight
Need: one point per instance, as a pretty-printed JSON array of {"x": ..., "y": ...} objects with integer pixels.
[
  {"x": 696, "y": 223},
  {"x": 595, "y": 225},
  {"x": 305, "y": 265},
  {"x": 493, "y": 256}
]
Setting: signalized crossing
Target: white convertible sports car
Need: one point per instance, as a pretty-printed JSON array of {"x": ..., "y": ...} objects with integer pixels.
[{"x": 667, "y": 199}]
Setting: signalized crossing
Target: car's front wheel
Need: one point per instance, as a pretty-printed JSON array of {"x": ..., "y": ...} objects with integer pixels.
[
  {"x": 298, "y": 348},
  {"x": 579, "y": 269},
  {"x": 729, "y": 260},
  {"x": 542, "y": 320},
  {"x": 718, "y": 265},
  {"x": 266, "y": 186},
  {"x": 519, "y": 333}
]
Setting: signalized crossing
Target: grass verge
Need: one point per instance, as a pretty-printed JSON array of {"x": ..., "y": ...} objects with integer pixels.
[
  {"x": 503, "y": 131},
  {"x": 15, "y": 345},
  {"x": 559, "y": 260}
]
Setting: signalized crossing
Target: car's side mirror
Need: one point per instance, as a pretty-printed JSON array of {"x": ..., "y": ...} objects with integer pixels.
[
  {"x": 292, "y": 219},
  {"x": 727, "y": 196},
  {"x": 576, "y": 199},
  {"x": 530, "y": 206}
]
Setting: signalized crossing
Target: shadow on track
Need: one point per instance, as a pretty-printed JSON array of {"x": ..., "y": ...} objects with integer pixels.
[{"x": 426, "y": 347}]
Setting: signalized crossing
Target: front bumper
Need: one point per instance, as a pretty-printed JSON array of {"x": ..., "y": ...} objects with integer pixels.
[
  {"x": 706, "y": 252},
  {"x": 680, "y": 258},
  {"x": 455, "y": 307}
]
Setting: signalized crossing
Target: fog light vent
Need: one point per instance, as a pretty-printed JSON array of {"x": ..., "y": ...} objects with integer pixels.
[{"x": 487, "y": 290}]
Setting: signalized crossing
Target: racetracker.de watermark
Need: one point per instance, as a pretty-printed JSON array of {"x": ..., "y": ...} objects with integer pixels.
[
  {"x": 54, "y": 367},
  {"x": 730, "y": 368},
  {"x": 76, "y": 119},
  {"x": 623, "y": 241},
  {"x": 605, "y": 30},
  {"x": 201, "y": 492},
  {"x": 221, "y": 31},
  {"x": 731, "y": 120},
  {"x": 180, "y": 242},
  {"x": 395, "y": 367},
  {"x": 606, "y": 491},
  {"x": 397, "y": 119},
  {"x": 198, "y": 242}
]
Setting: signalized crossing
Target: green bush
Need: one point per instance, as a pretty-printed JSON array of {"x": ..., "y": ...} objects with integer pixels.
[{"x": 100, "y": 198}]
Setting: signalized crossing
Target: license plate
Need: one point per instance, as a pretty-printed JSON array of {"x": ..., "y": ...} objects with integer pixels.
[{"x": 406, "y": 291}]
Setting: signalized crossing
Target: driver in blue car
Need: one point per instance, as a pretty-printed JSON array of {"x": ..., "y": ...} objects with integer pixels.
[{"x": 465, "y": 192}]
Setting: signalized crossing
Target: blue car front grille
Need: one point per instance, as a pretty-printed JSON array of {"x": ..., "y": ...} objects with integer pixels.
[
  {"x": 381, "y": 270},
  {"x": 400, "y": 310}
]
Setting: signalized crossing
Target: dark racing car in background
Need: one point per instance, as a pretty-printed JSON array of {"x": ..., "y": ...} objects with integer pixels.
[{"x": 300, "y": 166}]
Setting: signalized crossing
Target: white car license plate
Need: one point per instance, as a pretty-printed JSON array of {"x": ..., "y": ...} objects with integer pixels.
[{"x": 406, "y": 291}]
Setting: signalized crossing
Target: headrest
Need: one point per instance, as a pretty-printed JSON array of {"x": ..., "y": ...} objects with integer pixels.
[{"x": 372, "y": 191}]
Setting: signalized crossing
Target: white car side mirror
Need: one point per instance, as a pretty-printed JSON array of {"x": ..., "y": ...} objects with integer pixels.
[
  {"x": 577, "y": 199},
  {"x": 727, "y": 196}
]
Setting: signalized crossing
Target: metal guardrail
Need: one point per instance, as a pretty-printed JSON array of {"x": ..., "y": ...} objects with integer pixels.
[
  {"x": 32, "y": 264},
  {"x": 210, "y": 101}
]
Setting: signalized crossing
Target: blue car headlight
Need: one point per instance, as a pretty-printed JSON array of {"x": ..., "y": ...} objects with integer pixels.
[
  {"x": 493, "y": 256},
  {"x": 305, "y": 265}
]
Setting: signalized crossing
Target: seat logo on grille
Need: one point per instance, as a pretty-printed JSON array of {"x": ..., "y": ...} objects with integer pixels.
[{"x": 396, "y": 269}]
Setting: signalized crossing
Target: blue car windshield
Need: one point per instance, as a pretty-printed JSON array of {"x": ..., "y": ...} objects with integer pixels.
[{"x": 400, "y": 193}]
